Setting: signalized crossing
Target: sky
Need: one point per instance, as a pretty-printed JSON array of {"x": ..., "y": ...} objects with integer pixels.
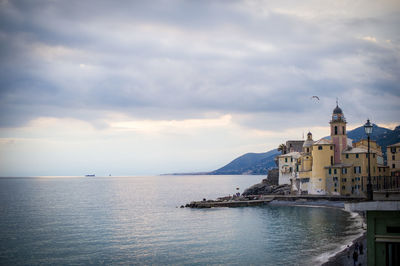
[{"x": 151, "y": 87}]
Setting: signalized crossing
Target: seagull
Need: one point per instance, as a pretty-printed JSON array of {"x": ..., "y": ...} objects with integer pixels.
[{"x": 316, "y": 97}]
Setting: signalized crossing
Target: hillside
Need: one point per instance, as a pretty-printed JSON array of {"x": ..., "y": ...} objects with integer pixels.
[
  {"x": 259, "y": 163},
  {"x": 249, "y": 163}
]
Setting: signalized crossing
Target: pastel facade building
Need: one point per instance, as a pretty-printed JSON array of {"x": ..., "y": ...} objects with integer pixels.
[
  {"x": 393, "y": 159},
  {"x": 334, "y": 166},
  {"x": 287, "y": 167}
]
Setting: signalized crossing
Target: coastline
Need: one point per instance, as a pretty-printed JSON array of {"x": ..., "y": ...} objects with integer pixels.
[
  {"x": 343, "y": 255},
  {"x": 338, "y": 256}
]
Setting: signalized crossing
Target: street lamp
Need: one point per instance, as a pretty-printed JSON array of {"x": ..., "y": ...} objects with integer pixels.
[{"x": 368, "y": 131}]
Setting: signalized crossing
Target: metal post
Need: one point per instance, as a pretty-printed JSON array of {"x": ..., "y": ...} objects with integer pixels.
[{"x": 369, "y": 185}]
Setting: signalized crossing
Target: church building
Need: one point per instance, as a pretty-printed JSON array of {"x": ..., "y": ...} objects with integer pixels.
[{"x": 330, "y": 166}]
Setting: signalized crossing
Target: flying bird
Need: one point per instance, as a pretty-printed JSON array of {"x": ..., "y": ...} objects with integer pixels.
[{"x": 316, "y": 97}]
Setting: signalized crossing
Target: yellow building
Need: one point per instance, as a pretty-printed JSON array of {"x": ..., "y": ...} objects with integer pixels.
[
  {"x": 334, "y": 166},
  {"x": 393, "y": 159}
]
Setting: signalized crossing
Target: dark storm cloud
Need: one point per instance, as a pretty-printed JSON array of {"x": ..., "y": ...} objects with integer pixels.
[{"x": 181, "y": 59}]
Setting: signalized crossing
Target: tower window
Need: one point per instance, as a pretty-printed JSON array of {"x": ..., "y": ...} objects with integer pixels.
[
  {"x": 356, "y": 155},
  {"x": 344, "y": 131},
  {"x": 319, "y": 147},
  {"x": 331, "y": 147},
  {"x": 308, "y": 149},
  {"x": 347, "y": 156},
  {"x": 335, "y": 130}
]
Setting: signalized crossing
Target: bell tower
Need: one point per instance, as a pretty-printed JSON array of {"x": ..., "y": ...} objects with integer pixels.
[{"x": 338, "y": 133}]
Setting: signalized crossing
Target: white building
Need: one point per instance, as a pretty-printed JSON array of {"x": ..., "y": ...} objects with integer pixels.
[{"x": 287, "y": 167}]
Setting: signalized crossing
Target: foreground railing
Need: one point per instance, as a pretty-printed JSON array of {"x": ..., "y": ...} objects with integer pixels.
[{"x": 380, "y": 183}]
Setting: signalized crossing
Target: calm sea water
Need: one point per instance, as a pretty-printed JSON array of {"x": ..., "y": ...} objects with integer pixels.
[{"x": 135, "y": 220}]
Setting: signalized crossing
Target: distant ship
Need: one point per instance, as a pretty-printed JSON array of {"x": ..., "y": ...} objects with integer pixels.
[{"x": 91, "y": 175}]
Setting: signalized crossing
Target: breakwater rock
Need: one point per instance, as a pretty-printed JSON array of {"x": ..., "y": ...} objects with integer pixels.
[{"x": 266, "y": 188}]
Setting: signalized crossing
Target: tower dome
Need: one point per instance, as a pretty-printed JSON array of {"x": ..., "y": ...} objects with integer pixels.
[
  {"x": 337, "y": 110},
  {"x": 309, "y": 142}
]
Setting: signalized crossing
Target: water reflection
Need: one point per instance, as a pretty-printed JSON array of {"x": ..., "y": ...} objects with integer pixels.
[{"x": 135, "y": 221}]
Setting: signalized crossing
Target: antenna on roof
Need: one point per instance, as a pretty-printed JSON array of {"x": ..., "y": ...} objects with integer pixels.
[{"x": 337, "y": 104}]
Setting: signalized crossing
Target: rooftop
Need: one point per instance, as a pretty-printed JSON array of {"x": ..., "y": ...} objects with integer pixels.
[
  {"x": 357, "y": 150},
  {"x": 395, "y": 145},
  {"x": 323, "y": 142},
  {"x": 294, "y": 154}
]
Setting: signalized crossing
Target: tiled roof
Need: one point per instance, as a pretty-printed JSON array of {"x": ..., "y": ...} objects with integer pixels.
[
  {"x": 323, "y": 142},
  {"x": 357, "y": 150},
  {"x": 394, "y": 145},
  {"x": 294, "y": 154}
]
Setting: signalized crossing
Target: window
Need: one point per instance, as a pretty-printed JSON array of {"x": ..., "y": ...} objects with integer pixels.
[
  {"x": 344, "y": 180},
  {"x": 335, "y": 189},
  {"x": 344, "y": 170},
  {"x": 356, "y": 155},
  {"x": 308, "y": 150},
  {"x": 393, "y": 157},
  {"x": 286, "y": 160},
  {"x": 393, "y": 150},
  {"x": 343, "y": 131},
  {"x": 319, "y": 147},
  {"x": 330, "y": 171},
  {"x": 331, "y": 147},
  {"x": 332, "y": 162},
  {"x": 373, "y": 155},
  {"x": 291, "y": 159},
  {"x": 335, "y": 130},
  {"x": 334, "y": 171},
  {"x": 357, "y": 169},
  {"x": 290, "y": 169},
  {"x": 393, "y": 166},
  {"x": 335, "y": 184},
  {"x": 343, "y": 187},
  {"x": 347, "y": 156}
]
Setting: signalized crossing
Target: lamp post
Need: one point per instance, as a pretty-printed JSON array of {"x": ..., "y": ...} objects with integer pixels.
[{"x": 368, "y": 131}]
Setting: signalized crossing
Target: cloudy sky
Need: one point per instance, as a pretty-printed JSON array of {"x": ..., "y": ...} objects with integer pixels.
[{"x": 149, "y": 87}]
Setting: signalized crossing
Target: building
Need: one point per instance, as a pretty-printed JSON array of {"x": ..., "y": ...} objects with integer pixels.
[
  {"x": 393, "y": 159},
  {"x": 287, "y": 167},
  {"x": 331, "y": 166},
  {"x": 383, "y": 227},
  {"x": 294, "y": 145}
]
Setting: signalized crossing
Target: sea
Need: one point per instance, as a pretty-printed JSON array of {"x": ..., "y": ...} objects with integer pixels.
[{"x": 137, "y": 220}]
